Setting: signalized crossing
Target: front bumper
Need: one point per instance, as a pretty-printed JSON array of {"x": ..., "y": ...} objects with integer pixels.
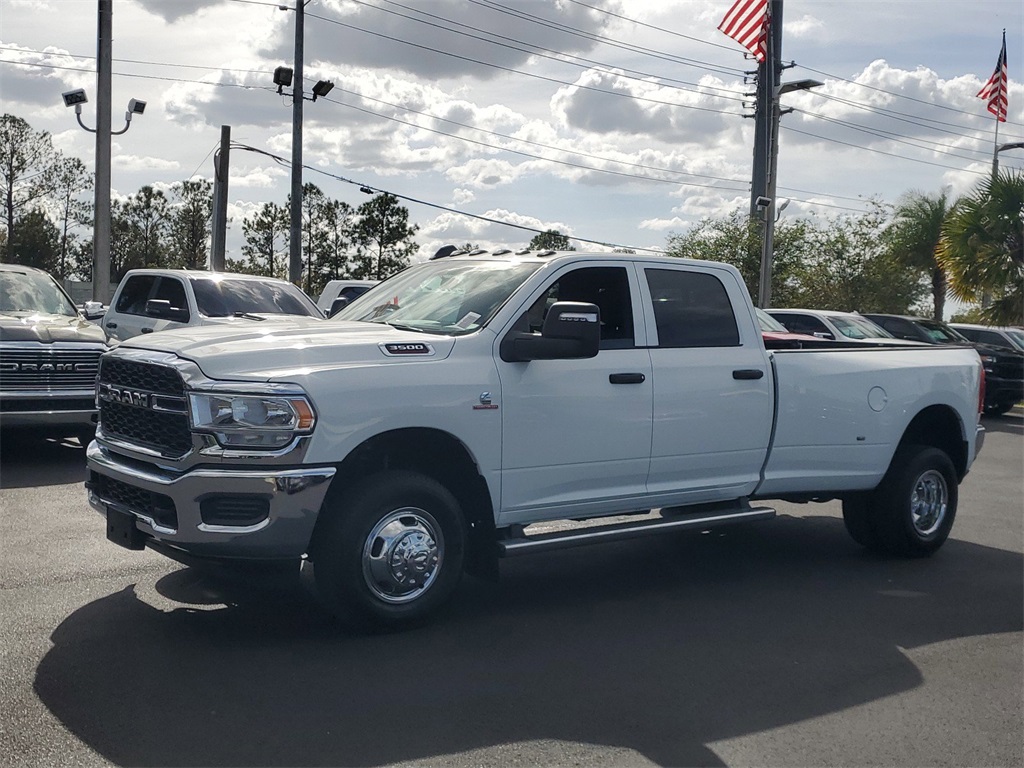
[
  {"x": 71, "y": 408},
  {"x": 172, "y": 510},
  {"x": 999, "y": 390}
]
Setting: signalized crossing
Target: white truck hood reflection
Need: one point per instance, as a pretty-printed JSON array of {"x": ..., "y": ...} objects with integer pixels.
[{"x": 283, "y": 350}]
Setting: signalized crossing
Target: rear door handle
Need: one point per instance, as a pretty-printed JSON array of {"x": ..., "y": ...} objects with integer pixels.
[
  {"x": 111, "y": 325},
  {"x": 748, "y": 373},
  {"x": 627, "y": 378},
  {"x": 147, "y": 330}
]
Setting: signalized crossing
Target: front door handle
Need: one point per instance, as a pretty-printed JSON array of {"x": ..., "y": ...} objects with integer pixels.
[
  {"x": 147, "y": 330},
  {"x": 111, "y": 325},
  {"x": 748, "y": 373},
  {"x": 627, "y": 378}
]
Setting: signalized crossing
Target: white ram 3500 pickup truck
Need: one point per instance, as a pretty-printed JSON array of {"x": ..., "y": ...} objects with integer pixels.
[{"x": 421, "y": 432}]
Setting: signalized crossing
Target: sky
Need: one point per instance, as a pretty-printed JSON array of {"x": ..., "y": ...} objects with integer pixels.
[{"x": 618, "y": 122}]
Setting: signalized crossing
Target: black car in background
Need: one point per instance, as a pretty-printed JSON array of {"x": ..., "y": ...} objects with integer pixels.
[{"x": 1004, "y": 368}]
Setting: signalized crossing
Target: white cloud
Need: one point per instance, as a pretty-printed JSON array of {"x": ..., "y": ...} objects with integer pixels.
[
  {"x": 140, "y": 163},
  {"x": 805, "y": 26}
]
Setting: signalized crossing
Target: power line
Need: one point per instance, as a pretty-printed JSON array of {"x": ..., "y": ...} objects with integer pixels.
[
  {"x": 576, "y": 32},
  {"x": 882, "y": 152},
  {"x": 143, "y": 77},
  {"x": 893, "y": 93},
  {"x": 554, "y": 148},
  {"x": 898, "y": 138},
  {"x": 519, "y": 71},
  {"x": 372, "y": 189},
  {"x": 729, "y": 48},
  {"x": 559, "y": 56},
  {"x": 901, "y": 117}
]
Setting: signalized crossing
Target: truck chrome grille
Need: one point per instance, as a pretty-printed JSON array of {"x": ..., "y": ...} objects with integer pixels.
[
  {"x": 48, "y": 369},
  {"x": 144, "y": 404}
]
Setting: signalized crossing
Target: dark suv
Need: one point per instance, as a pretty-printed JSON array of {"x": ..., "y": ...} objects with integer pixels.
[{"x": 1004, "y": 368}]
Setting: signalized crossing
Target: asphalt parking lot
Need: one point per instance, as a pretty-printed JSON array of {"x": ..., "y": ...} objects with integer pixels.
[{"x": 776, "y": 644}]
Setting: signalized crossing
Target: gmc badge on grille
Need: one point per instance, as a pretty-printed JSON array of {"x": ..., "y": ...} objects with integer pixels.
[
  {"x": 401, "y": 350},
  {"x": 125, "y": 396}
]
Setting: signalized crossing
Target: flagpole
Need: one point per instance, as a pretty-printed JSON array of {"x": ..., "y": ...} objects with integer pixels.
[{"x": 995, "y": 147}]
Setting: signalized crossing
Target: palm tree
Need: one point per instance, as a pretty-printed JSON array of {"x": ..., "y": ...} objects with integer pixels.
[
  {"x": 916, "y": 235},
  {"x": 982, "y": 248}
]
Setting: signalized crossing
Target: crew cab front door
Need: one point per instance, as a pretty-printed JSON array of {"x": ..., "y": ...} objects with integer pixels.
[
  {"x": 576, "y": 434},
  {"x": 128, "y": 316}
]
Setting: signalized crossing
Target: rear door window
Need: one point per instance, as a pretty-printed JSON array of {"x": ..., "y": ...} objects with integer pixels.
[{"x": 691, "y": 309}]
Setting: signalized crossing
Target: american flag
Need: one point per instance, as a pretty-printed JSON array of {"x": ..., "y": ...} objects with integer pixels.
[
  {"x": 994, "y": 91},
  {"x": 747, "y": 23}
]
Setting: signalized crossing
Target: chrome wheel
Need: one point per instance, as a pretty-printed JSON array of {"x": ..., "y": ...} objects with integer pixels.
[
  {"x": 402, "y": 555},
  {"x": 928, "y": 503}
]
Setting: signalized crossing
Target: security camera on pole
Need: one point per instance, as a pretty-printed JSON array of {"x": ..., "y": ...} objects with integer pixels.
[
  {"x": 76, "y": 98},
  {"x": 282, "y": 79}
]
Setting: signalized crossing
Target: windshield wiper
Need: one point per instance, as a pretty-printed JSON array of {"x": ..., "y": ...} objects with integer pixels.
[
  {"x": 401, "y": 327},
  {"x": 247, "y": 315}
]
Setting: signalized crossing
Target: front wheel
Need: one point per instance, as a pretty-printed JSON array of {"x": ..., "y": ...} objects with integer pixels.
[
  {"x": 912, "y": 511},
  {"x": 390, "y": 551}
]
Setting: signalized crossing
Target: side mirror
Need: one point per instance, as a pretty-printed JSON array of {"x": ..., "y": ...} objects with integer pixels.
[
  {"x": 337, "y": 305},
  {"x": 161, "y": 308},
  {"x": 572, "y": 331},
  {"x": 93, "y": 310}
]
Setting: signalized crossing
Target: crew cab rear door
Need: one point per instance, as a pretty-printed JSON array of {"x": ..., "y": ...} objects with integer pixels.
[
  {"x": 713, "y": 399},
  {"x": 576, "y": 434}
]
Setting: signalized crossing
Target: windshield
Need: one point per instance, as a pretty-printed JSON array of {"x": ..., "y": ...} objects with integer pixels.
[
  {"x": 768, "y": 323},
  {"x": 225, "y": 297},
  {"x": 854, "y": 327},
  {"x": 1016, "y": 336},
  {"x": 940, "y": 333},
  {"x": 33, "y": 292},
  {"x": 452, "y": 298}
]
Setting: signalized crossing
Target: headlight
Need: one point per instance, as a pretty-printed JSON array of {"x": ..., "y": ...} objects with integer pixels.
[
  {"x": 251, "y": 421},
  {"x": 989, "y": 363}
]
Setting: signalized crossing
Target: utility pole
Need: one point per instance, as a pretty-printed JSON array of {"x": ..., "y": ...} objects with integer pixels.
[
  {"x": 766, "y": 132},
  {"x": 101, "y": 227},
  {"x": 221, "y": 167},
  {"x": 295, "y": 241},
  {"x": 767, "y": 79}
]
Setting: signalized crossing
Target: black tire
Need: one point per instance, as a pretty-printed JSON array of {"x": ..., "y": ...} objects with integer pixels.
[
  {"x": 913, "y": 509},
  {"x": 998, "y": 409},
  {"x": 857, "y": 518},
  {"x": 390, "y": 552}
]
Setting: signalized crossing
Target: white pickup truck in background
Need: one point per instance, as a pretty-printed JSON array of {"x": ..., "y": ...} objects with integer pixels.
[
  {"x": 149, "y": 300},
  {"x": 421, "y": 432}
]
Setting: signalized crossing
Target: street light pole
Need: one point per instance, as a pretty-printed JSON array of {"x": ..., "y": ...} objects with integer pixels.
[
  {"x": 101, "y": 226},
  {"x": 764, "y": 294},
  {"x": 295, "y": 241},
  {"x": 1003, "y": 148},
  {"x": 76, "y": 98}
]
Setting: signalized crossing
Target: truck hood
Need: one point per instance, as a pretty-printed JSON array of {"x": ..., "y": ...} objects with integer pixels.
[
  {"x": 47, "y": 328},
  {"x": 282, "y": 350}
]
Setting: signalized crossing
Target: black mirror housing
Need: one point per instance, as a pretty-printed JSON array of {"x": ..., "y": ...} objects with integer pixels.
[{"x": 571, "y": 331}]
